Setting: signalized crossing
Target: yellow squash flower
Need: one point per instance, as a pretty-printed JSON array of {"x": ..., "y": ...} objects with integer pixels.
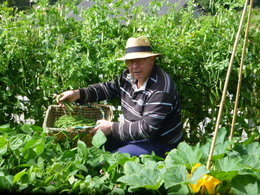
[{"x": 207, "y": 181}]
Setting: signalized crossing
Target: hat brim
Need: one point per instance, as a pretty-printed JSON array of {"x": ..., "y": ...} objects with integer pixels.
[{"x": 138, "y": 55}]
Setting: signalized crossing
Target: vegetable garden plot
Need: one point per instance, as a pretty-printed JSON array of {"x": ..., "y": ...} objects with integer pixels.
[
  {"x": 63, "y": 54},
  {"x": 32, "y": 162}
]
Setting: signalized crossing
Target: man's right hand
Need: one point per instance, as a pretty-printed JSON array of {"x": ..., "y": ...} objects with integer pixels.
[{"x": 71, "y": 96}]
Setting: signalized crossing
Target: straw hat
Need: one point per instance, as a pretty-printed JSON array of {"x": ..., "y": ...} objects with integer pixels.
[{"x": 138, "y": 48}]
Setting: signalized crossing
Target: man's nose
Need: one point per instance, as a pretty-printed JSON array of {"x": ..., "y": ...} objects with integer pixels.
[{"x": 134, "y": 63}]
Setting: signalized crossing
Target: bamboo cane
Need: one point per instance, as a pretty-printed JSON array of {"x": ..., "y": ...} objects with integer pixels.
[
  {"x": 225, "y": 86},
  {"x": 240, "y": 72}
]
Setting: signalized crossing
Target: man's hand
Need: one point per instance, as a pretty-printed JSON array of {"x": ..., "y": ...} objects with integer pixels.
[
  {"x": 104, "y": 125},
  {"x": 71, "y": 96}
]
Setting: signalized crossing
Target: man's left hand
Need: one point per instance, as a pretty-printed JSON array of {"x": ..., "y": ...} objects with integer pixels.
[{"x": 104, "y": 125}]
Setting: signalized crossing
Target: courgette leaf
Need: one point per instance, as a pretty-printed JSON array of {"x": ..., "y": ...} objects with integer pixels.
[
  {"x": 175, "y": 175},
  {"x": 141, "y": 175},
  {"x": 184, "y": 155},
  {"x": 245, "y": 184}
]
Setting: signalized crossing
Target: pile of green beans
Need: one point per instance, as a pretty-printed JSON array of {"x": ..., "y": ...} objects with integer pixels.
[{"x": 68, "y": 121}]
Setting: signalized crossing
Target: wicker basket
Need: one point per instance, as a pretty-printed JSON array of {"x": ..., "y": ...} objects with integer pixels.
[{"x": 91, "y": 111}]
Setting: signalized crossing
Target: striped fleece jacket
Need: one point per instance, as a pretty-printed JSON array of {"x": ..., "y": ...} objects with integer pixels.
[{"x": 152, "y": 112}]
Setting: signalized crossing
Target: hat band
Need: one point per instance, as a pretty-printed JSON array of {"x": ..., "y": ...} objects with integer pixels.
[{"x": 138, "y": 49}]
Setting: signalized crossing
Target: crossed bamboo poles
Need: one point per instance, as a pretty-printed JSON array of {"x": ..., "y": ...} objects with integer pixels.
[{"x": 227, "y": 80}]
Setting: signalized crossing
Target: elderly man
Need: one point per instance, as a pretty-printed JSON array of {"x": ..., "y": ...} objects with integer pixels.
[{"x": 149, "y": 100}]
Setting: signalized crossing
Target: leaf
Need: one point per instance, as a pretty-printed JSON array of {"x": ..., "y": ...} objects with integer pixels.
[
  {"x": 32, "y": 176},
  {"x": 30, "y": 144},
  {"x": 221, "y": 146},
  {"x": 82, "y": 167},
  {"x": 29, "y": 154},
  {"x": 37, "y": 128},
  {"x": 32, "y": 163},
  {"x": 198, "y": 173},
  {"x": 119, "y": 158},
  {"x": 245, "y": 184},
  {"x": 26, "y": 129},
  {"x": 50, "y": 189},
  {"x": 20, "y": 177},
  {"x": 221, "y": 149},
  {"x": 224, "y": 176},
  {"x": 15, "y": 142},
  {"x": 229, "y": 164},
  {"x": 184, "y": 154},
  {"x": 253, "y": 148},
  {"x": 40, "y": 146},
  {"x": 221, "y": 138},
  {"x": 5, "y": 128},
  {"x": 251, "y": 161},
  {"x": 82, "y": 149},
  {"x": 74, "y": 172},
  {"x": 227, "y": 168},
  {"x": 175, "y": 175},
  {"x": 117, "y": 191},
  {"x": 99, "y": 139},
  {"x": 253, "y": 172},
  {"x": 3, "y": 145},
  {"x": 67, "y": 156},
  {"x": 131, "y": 167},
  {"x": 56, "y": 168},
  {"x": 150, "y": 157},
  {"x": 141, "y": 176},
  {"x": 250, "y": 149},
  {"x": 6, "y": 182},
  {"x": 182, "y": 189}
]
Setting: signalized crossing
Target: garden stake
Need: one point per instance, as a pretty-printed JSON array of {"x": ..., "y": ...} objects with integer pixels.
[
  {"x": 225, "y": 87},
  {"x": 240, "y": 72}
]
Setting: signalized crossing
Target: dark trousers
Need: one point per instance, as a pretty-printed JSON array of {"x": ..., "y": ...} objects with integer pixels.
[{"x": 137, "y": 148}]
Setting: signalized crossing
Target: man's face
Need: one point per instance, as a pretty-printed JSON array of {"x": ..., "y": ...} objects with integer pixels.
[{"x": 141, "y": 68}]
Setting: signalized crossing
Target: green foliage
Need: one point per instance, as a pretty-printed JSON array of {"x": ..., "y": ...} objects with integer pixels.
[
  {"x": 43, "y": 52},
  {"x": 32, "y": 162}
]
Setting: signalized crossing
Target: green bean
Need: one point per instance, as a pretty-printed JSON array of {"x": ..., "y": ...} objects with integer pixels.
[
  {"x": 69, "y": 106},
  {"x": 67, "y": 121}
]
